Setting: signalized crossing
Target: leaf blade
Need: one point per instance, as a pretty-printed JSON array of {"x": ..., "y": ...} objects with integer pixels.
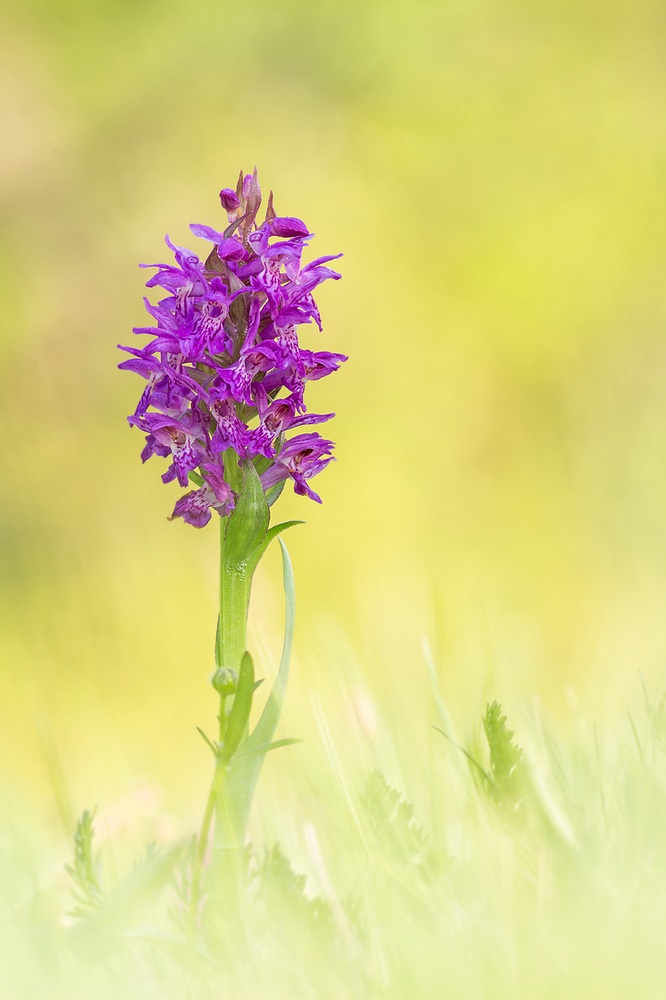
[
  {"x": 240, "y": 710},
  {"x": 245, "y": 768}
]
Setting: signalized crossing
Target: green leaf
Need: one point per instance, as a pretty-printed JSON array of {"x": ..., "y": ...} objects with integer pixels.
[
  {"x": 275, "y": 745},
  {"x": 272, "y": 533},
  {"x": 270, "y": 716},
  {"x": 274, "y": 493},
  {"x": 248, "y": 523},
  {"x": 283, "y": 891},
  {"x": 240, "y": 710},
  {"x": 218, "y": 644},
  {"x": 207, "y": 740},
  {"x": 505, "y": 755},
  {"x": 261, "y": 464},
  {"x": 277, "y": 529},
  {"x": 84, "y": 870},
  {"x": 392, "y": 822},
  {"x": 245, "y": 768},
  {"x": 133, "y": 895}
]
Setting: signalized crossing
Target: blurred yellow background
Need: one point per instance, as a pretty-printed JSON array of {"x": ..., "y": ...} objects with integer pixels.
[{"x": 493, "y": 172}]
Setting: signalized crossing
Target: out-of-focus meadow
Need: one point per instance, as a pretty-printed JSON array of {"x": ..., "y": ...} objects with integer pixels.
[{"x": 493, "y": 173}]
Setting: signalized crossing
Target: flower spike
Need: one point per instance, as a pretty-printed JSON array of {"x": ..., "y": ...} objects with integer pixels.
[{"x": 225, "y": 373}]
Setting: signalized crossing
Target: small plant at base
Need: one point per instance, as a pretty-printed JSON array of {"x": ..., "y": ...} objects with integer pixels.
[
  {"x": 392, "y": 822},
  {"x": 278, "y": 884},
  {"x": 84, "y": 871},
  {"x": 504, "y": 782},
  {"x": 506, "y": 757}
]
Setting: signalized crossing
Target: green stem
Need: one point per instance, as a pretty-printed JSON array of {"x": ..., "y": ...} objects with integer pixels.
[
  {"x": 242, "y": 539},
  {"x": 200, "y": 850},
  {"x": 234, "y": 601},
  {"x": 235, "y": 585},
  {"x": 232, "y": 623}
]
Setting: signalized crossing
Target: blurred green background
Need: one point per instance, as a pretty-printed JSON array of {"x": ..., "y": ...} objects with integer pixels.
[{"x": 493, "y": 172}]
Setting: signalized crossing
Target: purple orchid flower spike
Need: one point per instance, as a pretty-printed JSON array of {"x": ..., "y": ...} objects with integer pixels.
[{"x": 225, "y": 374}]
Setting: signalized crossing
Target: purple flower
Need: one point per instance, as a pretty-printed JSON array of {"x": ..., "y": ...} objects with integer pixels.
[
  {"x": 182, "y": 436},
  {"x": 227, "y": 248},
  {"x": 195, "y": 507},
  {"x": 276, "y": 417},
  {"x": 224, "y": 371},
  {"x": 230, "y": 431},
  {"x": 300, "y": 459}
]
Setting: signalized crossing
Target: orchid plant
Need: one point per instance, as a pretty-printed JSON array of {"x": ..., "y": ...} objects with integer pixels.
[{"x": 225, "y": 388}]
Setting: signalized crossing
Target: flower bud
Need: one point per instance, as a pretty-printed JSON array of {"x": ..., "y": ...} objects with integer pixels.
[
  {"x": 285, "y": 225},
  {"x": 225, "y": 681},
  {"x": 229, "y": 199}
]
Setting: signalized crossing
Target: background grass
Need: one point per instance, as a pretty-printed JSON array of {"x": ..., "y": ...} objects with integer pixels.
[
  {"x": 493, "y": 173},
  {"x": 545, "y": 877}
]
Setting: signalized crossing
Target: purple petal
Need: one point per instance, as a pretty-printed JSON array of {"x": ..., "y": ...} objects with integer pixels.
[
  {"x": 286, "y": 225},
  {"x": 231, "y": 249},
  {"x": 322, "y": 260},
  {"x": 194, "y": 508},
  {"x": 206, "y": 233},
  {"x": 311, "y": 418}
]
